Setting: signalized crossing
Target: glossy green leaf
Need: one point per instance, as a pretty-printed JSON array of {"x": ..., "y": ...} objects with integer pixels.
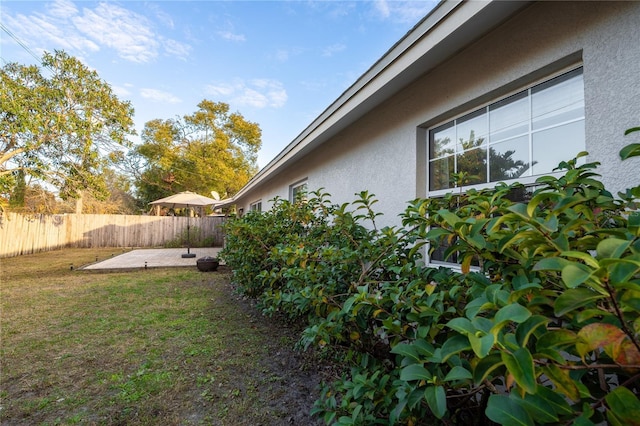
[
  {"x": 625, "y": 405},
  {"x": 575, "y": 274},
  {"x": 612, "y": 248},
  {"x": 505, "y": 411},
  {"x": 551, "y": 224},
  {"x": 585, "y": 257},
  {"x": 634, "y": 221},
  {"x": 406, "y": 350},
  {"x": 551, "y": 264},
  {"x": 583, "y": 420},
  {"x": 477, "y": 305},
  {"x": 437, "y": 400},
  {"x": 559, "y": 339},
  {"x": 454, "y": 345},
  {"x": 485, "y": 366},
  {"x": 527, "y": 328},
  {"x": 415, "y": 372},
  {"x": 482, "y": 324},
  {"x": 513, "y": 312},
  {"x": 449, "y": 217},
  {"x": 461, "y": 325},
  {"x": 621, "y": 270},
  {"x": 537, "y": 407},
  {"x": 631, "y": 150},
  {"x": 557, "y": 401},
  {"x": 562, "y": 381},
  {"x": 458, "y": 373},
  {"x": 520, "y": 210},
  {"x": 520, "y": 365},
  {"x": 423, "y": 348},
  {"x": 614, "y": 420},
  {"x": 481, "y": 345},
  {"x": 573, "y": 299},
  {"x": 435, "y": 233}
]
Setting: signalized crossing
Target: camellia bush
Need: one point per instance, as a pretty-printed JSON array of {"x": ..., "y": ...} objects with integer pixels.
[{"x": 539, "y": 324}]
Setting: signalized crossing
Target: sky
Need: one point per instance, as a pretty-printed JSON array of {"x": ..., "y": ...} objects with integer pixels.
[{"x": 278, "y": 63}]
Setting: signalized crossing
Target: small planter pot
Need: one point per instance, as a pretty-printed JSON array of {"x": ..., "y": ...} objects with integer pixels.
[{"x": 208, "y": 263}]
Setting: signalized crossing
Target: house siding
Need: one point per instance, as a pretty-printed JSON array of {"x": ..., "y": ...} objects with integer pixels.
[{"x": 384, "y": 151}]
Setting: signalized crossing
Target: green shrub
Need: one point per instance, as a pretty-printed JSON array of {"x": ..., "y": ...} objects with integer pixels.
[
  {"x": 540, "y": 324},
  {"x": 192, "y": 239}
]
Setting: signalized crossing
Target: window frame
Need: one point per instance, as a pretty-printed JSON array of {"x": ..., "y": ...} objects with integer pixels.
[
  {"x": 526, "y": 180},
  {"x": 529, "y": 182},
  {"x": 294, "y": 188},
  {"x": 256, "y": 206}
]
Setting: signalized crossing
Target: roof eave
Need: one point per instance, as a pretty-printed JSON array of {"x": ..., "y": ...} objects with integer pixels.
[{"x": 448, "y": 28}]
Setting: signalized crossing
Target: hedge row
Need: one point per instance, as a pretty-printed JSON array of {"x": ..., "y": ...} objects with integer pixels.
[{"x": 539, "y": 324}]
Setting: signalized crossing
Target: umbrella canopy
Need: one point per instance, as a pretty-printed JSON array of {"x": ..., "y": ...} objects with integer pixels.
[{"x": 185, "y": 199}]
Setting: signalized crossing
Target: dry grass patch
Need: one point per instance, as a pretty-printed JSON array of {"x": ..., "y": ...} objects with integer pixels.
[{"x": 158, "y": 346}]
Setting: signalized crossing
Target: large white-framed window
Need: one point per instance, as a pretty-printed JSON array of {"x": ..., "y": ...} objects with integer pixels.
[
  {"x": 256, "y": 206},
  {"x": 297, "y": 189},
  {"x": 516, "y": 138}
]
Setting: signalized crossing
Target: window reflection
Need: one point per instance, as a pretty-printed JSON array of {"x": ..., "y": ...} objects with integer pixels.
[{"x": 526, "y": 134}]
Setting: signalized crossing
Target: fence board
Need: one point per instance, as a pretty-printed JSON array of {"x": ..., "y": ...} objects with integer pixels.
[{"x": 32, "y": 233}]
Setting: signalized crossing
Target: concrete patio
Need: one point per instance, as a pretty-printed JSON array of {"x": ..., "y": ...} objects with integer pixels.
[{"x": 153, "y": 258}]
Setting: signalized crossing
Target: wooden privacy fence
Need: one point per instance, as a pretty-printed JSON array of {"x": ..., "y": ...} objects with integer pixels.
[{"x": 32, "y": 233}]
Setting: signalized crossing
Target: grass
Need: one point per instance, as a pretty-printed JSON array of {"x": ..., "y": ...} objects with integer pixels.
[{"x": 158, "y": 346}]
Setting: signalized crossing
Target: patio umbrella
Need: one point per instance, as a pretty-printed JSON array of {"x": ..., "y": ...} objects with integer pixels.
[{"x": 186, "y": 199}]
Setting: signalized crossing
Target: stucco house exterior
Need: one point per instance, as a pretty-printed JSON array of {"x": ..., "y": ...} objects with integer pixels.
[{"x": 474, "y": 86}]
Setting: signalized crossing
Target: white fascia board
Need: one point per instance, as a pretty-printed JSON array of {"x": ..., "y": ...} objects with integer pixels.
[{"x": 449, "y": 27}]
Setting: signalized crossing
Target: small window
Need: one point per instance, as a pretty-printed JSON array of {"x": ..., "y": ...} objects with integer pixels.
[
  {"x": 524, "y": 135},
  {"x": 298, "y": 191},
  {"x": 256, "y": 206}
]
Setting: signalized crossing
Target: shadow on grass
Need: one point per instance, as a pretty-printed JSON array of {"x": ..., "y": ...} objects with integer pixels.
[{"x": 163, "y": 346}]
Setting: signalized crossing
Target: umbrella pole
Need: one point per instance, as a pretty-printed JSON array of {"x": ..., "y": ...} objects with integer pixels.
[{"x": 188, "y": 253}]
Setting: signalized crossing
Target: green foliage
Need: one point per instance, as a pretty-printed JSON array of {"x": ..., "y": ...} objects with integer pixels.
[
  {"x": 193, "y": 238},
  {"x": 211, "y": 149},
  {"x": 63, "y": 127},
  {"x": 539, "y": 324}
]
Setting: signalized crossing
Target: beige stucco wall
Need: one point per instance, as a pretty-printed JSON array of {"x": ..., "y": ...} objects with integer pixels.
[{"x": 384, "y": 151}]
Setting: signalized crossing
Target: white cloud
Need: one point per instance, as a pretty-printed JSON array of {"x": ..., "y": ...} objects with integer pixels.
[
  {"x": 161, "y": 15},
  {"x": 282, "y": 55},
  {"x": 62, "y": 9},
  {"x": 382, "y": 7},
  {"x": 121, "y": 92},
  {"x": 127, "y": 32},
  {"x": 40, "y": 30},
  {"x": 176, "y": 48},
  {"x": 228, "y": 35},
  {"x": 159, "y": 96},
  {"x": 257, "y": 93},
  {"x": 403, "y": 11},
  {"x": 131, "y": 35},
  {"x": 334, "y": 48}
]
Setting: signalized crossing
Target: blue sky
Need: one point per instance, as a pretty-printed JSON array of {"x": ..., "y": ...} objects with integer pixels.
[{"x": 278, "y": 63}]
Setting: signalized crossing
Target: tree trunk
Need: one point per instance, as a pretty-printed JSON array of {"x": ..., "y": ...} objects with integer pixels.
[{"x": 79, "y": 202}]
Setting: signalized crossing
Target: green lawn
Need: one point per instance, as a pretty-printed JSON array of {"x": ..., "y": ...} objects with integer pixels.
[{"x": 158, "y": 346}]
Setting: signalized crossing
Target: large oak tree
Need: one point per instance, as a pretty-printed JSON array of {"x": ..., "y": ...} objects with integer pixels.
[
  {"x": 212, "y": 149},
  {"x": 60, "y": 124}
]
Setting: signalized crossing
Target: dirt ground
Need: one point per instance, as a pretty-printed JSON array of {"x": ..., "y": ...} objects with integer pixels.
[{"x": 302, "y": 374}]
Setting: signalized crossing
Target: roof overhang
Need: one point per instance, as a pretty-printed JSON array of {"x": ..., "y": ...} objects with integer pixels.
[{"x": 448, "y": 28}]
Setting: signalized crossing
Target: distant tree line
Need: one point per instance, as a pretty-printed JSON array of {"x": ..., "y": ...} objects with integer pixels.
[{"x": 66, "y": 144}]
